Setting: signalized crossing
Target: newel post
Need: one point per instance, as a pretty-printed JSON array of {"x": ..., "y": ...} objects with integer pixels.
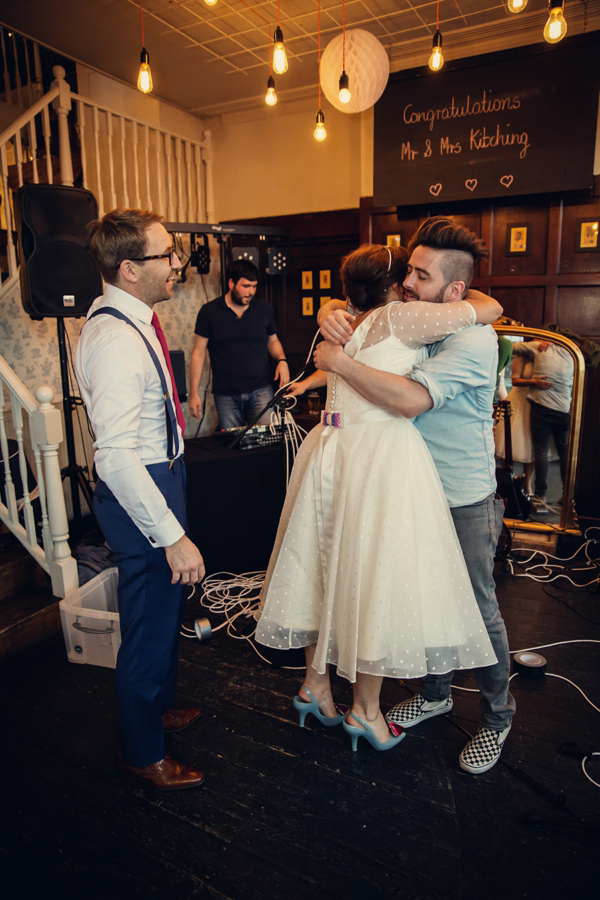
[
  {"x": 47, "y": 433},
  {"x": 62, "y": 105}
]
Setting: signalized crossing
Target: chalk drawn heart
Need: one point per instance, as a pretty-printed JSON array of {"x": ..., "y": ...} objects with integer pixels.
[
  {"x": 506, "y": 180},
  {"x": 471, "y": 183},
  {"x": 435, "y": 189}
]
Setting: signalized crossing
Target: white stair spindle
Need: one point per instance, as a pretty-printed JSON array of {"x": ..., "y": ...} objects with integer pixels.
[
  {"x": 179, "y": 178},
  {"x": 198, "y": 182},
  {"x": 124, "y": 163},
  {"x": 9, "y": 488},
  {"x": 99, "y": 191},
  {"x": 81, "y": 132},
  {"x": 147, "y": 165},
  {"x": 18, "y": 152},
  {"x": 28, "y": 517},
  {"x": 136, "y": 165},
  {"x": 169, "y": 205},
  {"x": 33, "y": 148},
  {"x": 46, "y": 536},
  {"x": 46, "y": 131},
  {"x": 188, "y": 166},
  {"x": 159, "y": 171},
  {"x": 111, "y": 164}
]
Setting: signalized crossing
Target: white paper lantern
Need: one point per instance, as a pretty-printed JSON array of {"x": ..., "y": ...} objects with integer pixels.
[{"x": 367, "y": 65}]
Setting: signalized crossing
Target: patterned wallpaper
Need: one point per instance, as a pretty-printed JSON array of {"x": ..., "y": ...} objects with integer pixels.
[{"x": 31, "y": 348}]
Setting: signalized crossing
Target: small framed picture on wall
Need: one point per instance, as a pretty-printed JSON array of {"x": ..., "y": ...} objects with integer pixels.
[
  {"x": 586, "y": 236},
  {"x": 325, "y": 279},
  {"x": 307, "y": 306},
  {"x": 307, "y": 281},
  {"x": 324, "y": 300},
  {"x": 518, "y": 239},
  {"x": 393, "y": 240}
]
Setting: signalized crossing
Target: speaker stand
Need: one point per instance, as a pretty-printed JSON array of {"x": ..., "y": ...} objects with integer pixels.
[{"x": 73, "y": 472}]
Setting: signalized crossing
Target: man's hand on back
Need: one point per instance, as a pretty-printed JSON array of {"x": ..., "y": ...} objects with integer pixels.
[{"x": 336, "y": 327}]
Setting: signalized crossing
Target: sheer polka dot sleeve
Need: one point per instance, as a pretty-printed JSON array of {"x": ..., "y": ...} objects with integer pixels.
[{"x": 417, "y": 323}]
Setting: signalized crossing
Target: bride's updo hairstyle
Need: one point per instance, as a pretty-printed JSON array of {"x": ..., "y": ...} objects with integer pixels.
[{"x": 369, "y": 272}]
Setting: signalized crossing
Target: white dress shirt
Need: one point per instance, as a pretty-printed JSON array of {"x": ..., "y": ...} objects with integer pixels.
[{"x": 121, "y": 389}]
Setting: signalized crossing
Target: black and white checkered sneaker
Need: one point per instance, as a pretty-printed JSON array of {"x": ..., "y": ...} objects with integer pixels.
[
  {"x": 483, "y": 750},
  {"x": 417, "y": 709}
]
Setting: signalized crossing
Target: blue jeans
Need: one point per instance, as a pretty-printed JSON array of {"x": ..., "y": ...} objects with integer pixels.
[
  {"x": 546, "y": 423},
  {"x": 241, "y": 409},
  {"x": 478, "y": 527}
]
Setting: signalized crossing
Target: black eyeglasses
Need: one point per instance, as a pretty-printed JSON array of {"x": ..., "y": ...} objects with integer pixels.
[{"x": 168, "y": 256}]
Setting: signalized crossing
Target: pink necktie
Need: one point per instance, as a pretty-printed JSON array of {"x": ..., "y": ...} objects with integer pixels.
[{"x": 163, "y": 343}]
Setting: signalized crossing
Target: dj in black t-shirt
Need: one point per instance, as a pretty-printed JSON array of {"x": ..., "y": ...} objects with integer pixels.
[{"x": 239, "y": 332}]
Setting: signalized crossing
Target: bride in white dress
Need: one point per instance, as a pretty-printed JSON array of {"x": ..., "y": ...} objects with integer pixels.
[{"x": 366, "y": 572}]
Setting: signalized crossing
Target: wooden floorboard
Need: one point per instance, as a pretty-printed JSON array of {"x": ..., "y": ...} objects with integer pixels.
[{"x": 289, "y": 813}]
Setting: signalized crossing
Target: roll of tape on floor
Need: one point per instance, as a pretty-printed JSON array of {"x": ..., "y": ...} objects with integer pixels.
[
  {"x": 529, "y": 664},
  {"x": 203, "y": 629}
]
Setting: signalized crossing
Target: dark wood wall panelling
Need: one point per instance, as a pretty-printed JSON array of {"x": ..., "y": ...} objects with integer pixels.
[
  {"x": 317, "y": 241},
  {"x": 552, "y": 284}
]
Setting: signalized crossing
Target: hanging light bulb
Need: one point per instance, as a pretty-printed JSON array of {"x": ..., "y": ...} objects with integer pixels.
[
  {"x": 280, "y": 63},
  {"x": 556, "y": 26},
  {"x": 516, "y": 6},
  {"x": 320, "y": 131},
  {"x": 344, "y": 95},
  {"x": 211, "y": 2},
  {"x": 436, "y": 60},
  {"x": 271, "y": 96},
  {"x": 144, "y": 81}
]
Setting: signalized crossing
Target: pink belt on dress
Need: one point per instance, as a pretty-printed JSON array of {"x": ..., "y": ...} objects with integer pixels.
[{"x": 343, "y": 420}]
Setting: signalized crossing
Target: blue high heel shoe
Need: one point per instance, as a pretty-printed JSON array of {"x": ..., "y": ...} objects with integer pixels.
[
  {"x": 398, "y": 734},
  {"x": 304, "y": 708}
]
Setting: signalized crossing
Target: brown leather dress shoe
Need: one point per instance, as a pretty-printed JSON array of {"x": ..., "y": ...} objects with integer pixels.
[
  {"x": 179, "y": 719},
  {"x": 165, "y": 775}
]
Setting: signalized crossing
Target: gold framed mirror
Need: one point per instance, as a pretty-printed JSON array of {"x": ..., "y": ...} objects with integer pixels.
[{"x": 567, "y": 523}]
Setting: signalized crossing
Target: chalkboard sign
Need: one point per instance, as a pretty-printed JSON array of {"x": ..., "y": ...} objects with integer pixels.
[{"x": 510, "y": 125}]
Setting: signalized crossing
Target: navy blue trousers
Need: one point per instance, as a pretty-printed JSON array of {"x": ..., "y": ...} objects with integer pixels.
[{"x": 151, "y": 612}]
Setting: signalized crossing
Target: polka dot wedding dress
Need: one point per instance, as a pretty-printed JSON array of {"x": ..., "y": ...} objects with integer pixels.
[{"x": 366, "y": 562}]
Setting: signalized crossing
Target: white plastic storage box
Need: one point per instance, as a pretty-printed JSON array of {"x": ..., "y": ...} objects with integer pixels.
[{"x": 90, "y": 621}]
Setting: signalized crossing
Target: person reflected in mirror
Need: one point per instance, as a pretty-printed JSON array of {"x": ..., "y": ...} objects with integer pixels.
[
  {"x": 520, "y": 412},
  {"x": 549, "y": 398}
]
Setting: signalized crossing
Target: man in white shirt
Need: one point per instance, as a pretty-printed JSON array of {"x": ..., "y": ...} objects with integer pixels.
[
  {"x": 126, "y": 383},
  {"x": 550, "y": 400}
]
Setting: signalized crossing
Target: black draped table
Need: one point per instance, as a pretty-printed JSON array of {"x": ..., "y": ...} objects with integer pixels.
[{"x": 234, "y": 499}]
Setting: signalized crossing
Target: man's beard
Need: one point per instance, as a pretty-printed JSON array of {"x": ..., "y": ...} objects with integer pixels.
[
  {"x": 439, "y": 297},
  {"x": 237, "y": 297}
]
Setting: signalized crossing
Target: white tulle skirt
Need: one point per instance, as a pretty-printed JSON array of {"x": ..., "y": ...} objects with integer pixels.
[{"x": 366, "y": 562}]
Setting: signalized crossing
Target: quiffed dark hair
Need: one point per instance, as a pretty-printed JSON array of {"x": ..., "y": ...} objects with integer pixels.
[
  {"x": 367, "y": 274},
  {"x": 242, "y": 268},
  {"x": 464, "y": 248},
  {"x": 120, "y": 234}
]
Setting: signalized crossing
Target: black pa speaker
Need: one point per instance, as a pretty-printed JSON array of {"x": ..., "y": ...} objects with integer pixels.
[{"x": 59, "y": 277}]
